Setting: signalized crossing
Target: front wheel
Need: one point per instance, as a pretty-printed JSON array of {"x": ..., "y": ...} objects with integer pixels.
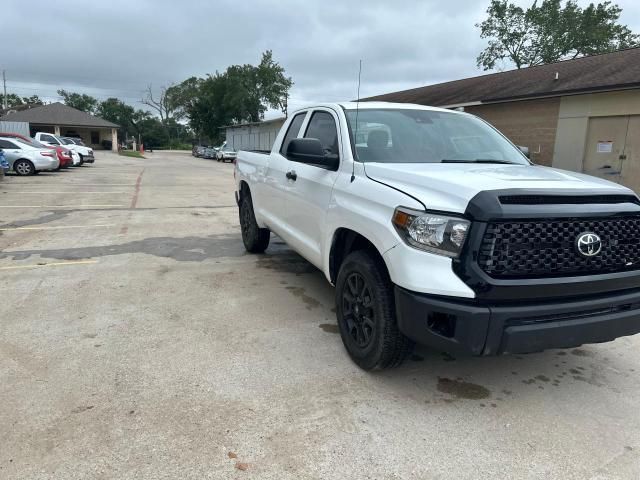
[
  {"x": 24, "y": 168},
  {"x": 256, "y": 239},
  {"x": 365, "y": 310}
]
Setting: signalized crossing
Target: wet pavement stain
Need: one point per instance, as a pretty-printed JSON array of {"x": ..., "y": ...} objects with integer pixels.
[
  {"x": 299, "y": 292},
  {"x": 186, "y": 249},
  {"x": 543, "y": 378},
  {"x": 285, "y": 261},
  {"x": 82, "y": 409},
  {"x": 49, "y": 217},
  {"x": 329, "y": 327},
  {"x": 578, "y": 352},
  {"x": 447, "y": 357},
  {"x": 461, "y": 389}
]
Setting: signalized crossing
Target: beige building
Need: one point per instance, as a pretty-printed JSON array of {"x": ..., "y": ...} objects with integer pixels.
[
  {"x": 60, "y": 119},
  {"x": 581, "y": 115}
]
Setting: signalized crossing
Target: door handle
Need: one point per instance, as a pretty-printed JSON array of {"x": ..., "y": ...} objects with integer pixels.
[{"x": 292, "y": 175}]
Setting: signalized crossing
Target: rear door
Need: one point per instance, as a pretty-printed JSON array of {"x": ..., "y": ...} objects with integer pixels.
[
  {"x": 309, "y": 195},
  {"x": 272, "y": 194}
]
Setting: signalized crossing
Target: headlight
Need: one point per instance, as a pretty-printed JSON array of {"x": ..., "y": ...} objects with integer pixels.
[{"x": 433, "y": 232}]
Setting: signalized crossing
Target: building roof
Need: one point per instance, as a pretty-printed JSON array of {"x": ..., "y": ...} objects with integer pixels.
[
  {"x": 611, "y": 71},
  {"x": 58, "y": 114}
]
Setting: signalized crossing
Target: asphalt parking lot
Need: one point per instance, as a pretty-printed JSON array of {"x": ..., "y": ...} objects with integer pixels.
[{"x": 139, "y": 341}]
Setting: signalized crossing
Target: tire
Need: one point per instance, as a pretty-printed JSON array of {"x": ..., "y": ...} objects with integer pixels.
[
  {"x": 81, "y": 160},
  {"x": 24, "y": 168},
  {"x": 256, "y": 239},
  {"x": 366, "y": 314}
]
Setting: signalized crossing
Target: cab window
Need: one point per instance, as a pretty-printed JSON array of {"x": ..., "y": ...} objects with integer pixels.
[
  {"x": 323, "y": 127},
  {"x": 292, "y": 132}
]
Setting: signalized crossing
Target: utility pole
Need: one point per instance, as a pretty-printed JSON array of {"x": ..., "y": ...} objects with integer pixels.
[{"x": 4, "y": 83}]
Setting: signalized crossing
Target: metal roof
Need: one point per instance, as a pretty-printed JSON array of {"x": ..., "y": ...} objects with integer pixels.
[{"x": 58, "y": 114}]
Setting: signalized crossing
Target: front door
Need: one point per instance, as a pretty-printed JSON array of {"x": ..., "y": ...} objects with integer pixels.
[
  {"x": 310, "y": 192},
  {"x": 269, "y": 199}
]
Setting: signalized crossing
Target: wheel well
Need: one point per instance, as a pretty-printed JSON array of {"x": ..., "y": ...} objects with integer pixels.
[
  {"x": 244, "y": 190},
  {"x": 344, "y": 242}
]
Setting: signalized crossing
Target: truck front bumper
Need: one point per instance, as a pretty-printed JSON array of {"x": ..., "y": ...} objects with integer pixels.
[{"x": 464, "y": 327}]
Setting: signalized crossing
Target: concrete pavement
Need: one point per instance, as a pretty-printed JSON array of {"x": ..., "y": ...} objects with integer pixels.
[{"x": 138, "y": 340}]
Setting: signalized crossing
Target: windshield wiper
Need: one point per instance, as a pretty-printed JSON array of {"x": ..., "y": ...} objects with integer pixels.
[{"x": 479, "y": 160}]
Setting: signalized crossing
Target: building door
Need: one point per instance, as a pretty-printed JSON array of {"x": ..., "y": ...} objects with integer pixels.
[
  {"x": 631, "y": 161},
  {"x": 613, "y": 150}
]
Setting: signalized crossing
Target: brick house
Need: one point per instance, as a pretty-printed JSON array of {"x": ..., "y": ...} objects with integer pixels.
[{"x": 581, "y": 114}]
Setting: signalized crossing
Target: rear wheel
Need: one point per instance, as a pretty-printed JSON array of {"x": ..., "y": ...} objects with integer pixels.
[
  {"x": 365, "y": 309},
  {"x": 255, "y": 239},
  {"x": 24, "y": 167}
]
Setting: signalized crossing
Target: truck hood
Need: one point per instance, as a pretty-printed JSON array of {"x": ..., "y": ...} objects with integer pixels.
[{"x": 449, "y": 187}]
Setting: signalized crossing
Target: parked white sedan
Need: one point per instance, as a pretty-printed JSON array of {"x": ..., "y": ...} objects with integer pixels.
[{"x": 27, "y": 160}]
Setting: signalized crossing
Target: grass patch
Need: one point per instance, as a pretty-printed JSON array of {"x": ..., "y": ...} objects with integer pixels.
[{"x": 130, "y": 153}]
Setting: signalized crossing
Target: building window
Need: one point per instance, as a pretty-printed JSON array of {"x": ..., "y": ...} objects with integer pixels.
[{"x": 95, "y": 138}]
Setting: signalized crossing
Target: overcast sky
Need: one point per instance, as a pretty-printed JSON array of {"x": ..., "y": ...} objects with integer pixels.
[{"x": 116, "y": 47}]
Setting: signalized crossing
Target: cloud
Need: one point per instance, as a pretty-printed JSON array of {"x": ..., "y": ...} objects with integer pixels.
[{"x": 116, "y": 48}]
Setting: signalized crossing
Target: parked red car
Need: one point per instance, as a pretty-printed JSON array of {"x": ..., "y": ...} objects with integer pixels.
[{"x": 64, "y": 154}]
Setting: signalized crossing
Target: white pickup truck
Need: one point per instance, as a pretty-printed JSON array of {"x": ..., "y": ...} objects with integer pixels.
[
  {"x": 436, "y": 229},
  {"x": 85, "y": 153}
]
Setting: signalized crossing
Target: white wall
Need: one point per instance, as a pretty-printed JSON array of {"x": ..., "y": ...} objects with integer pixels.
[{"x": 253, "y": 137}]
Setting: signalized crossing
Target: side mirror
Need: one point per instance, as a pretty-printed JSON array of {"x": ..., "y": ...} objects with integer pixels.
[
  {"x": 309, "y": 150},
  {"x": 525, "y": 150}
]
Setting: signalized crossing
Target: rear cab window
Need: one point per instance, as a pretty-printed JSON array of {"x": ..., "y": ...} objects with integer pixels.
[{"x": 49, "y": 139}]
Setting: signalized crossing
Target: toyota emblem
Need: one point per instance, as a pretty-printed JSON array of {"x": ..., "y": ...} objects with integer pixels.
[{"x": 589, "y": 244}]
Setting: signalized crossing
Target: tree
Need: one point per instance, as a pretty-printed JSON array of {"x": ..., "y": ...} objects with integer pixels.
[
  {"x": 243, "y": 93},
  {"x": 13, "y": 100},
  {"x": 550, "y": 32},
  {"x": 81, "y": 101},
  {"x": 180, "y": 97},
  {"x": 161, "y": 103},
  {"x": 32, "y": 100}
]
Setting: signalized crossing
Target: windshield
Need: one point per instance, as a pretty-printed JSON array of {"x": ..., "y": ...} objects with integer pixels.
[{"x": 425, "y": 136}]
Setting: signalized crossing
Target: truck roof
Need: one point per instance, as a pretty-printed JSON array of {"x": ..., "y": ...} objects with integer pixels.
[{"x": 376, "y": 105}]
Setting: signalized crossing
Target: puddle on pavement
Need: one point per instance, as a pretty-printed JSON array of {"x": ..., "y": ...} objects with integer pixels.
[
  {"x": 299, "y": 292},
  {"x": 462, "y": 389},
  {"x": 329, "y": 327}
]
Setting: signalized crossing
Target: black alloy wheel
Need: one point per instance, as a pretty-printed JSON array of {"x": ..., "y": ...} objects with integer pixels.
[{"x": 357, "y": 310}]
